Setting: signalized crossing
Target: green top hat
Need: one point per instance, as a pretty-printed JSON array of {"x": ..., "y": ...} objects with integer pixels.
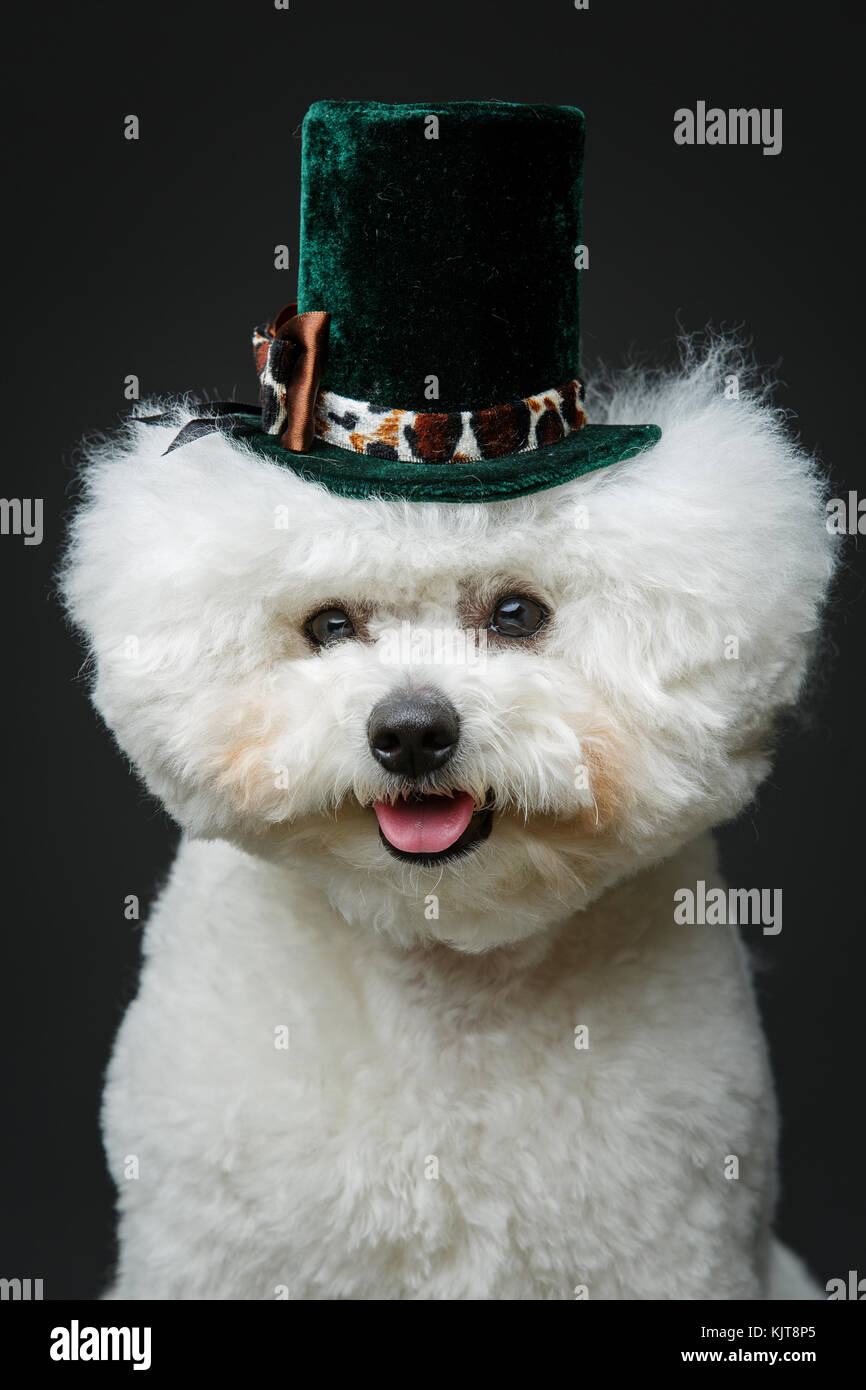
[{"x": 433, "y": 352}]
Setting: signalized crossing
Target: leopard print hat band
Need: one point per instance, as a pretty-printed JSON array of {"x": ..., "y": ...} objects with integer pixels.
[{"x": 461, "y": 436}]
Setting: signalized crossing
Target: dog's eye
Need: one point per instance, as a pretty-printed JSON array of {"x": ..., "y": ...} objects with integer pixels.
[
  {"x": 517, "y": 616},
  {"x": 330, "y": 625}
]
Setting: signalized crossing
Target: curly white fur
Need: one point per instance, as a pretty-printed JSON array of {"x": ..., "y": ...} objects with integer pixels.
[{"x": 442, "y": 1027}]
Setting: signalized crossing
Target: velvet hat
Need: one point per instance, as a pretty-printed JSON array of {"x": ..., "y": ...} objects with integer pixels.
[{"x": 433, "y": 352}]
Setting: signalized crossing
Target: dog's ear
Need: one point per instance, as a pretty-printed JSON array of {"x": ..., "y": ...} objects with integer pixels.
[
  {"x": 699, "y": 572},
  {"x": 708, "y": 556},
  {"x": 170, "y": 560}
]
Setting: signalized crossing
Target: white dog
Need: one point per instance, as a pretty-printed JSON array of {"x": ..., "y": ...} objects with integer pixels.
[{"x": 455, "y": 1046}]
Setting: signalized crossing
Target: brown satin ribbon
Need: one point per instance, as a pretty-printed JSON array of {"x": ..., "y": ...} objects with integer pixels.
[{"x": 308, "y": 336}]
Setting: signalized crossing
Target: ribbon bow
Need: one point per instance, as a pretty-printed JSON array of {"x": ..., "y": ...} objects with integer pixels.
[{"x": 290, "y": 354}]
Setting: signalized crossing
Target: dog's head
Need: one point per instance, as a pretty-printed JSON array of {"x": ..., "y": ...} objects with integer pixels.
[{"x": 463, "y": 721}]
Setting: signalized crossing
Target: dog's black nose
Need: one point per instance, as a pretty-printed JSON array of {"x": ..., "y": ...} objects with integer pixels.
[{"x": 413, "y": 733}]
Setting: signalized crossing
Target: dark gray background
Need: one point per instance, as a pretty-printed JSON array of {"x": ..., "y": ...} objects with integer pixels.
[{"x": 156, "y": 258}]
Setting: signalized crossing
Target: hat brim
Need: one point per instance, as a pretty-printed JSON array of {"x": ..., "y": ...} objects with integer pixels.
[{"x": 483, "y": 480}]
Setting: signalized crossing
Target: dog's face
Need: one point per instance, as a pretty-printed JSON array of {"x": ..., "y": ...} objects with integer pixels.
[
  {"x": 419, "y": 722},
  {"x": 463, "y": 721}
]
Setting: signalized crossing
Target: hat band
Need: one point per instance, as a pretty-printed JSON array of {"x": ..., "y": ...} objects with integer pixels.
[
  {"x": 289, "y": 356},
  {"x": 461, "y": 436}
]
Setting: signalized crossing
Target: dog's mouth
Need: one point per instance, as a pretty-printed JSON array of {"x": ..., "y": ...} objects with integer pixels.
[{"x": 431, "y": 829}]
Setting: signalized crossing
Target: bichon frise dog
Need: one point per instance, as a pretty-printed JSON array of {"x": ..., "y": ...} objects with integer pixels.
[{"x": 417, "y": 1019}]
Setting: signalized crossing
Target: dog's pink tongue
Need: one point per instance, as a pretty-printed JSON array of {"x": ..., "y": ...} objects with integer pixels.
[{"x": 427, "y": 825}]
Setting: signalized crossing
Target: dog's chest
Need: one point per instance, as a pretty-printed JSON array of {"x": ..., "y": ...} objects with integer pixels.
[
  {"x": 373, "y": 1126},
  {"x": 403, "y": 1163}
]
